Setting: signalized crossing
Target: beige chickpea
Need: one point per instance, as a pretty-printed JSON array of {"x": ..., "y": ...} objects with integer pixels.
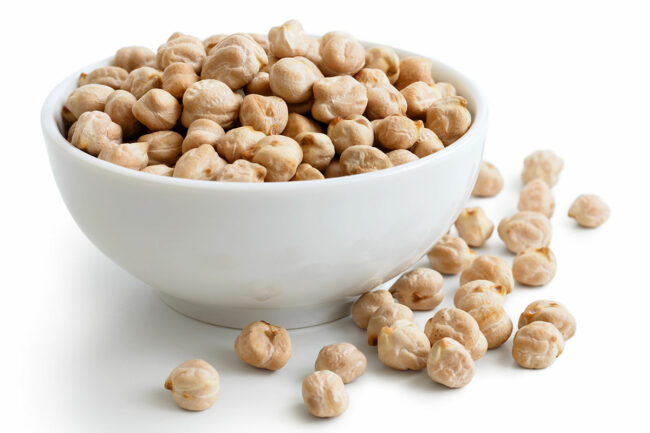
[
  {"x": 384, "y": 59},
  {"x": 234, "y": 144},
  {"x": 367, "y": 304},
  {"x": 445, "y": 89},
  {"x": 363, "y": 159},
  {"x": 419, "y": 289},
  {"x": 450, "y": 364},
  {"x": 313, "y": 50},
  {"x": 494, "y": 323},
  {"x": 234, "y": 61},
  {"x": 263, "y": 345},
  {"x": 419, "y": 96},
  {"x": 489, "y": 268},
  {"x": 338, "y": 97},
  {"x": 130, "y": 58},
  {"x": 288, "y": 40},
  {"x": 479, "y": 292},
  {"x": 350, "y": 131},
  {"x": 89, "y": 97},
  {"x": 242, "y": 171},
  {"x": 525, "y": 229},
  {"x": 280, "y": 155},
  {"x": 129, "y": 155},
  {"x": 260, "y": 84},
  {"x": 267, "y": 114},
  {"x": 111, "y": 76},
  {"x": 164, "y": 146},
  {"x": 334, "y": 169},
  {"x": 343, "y": 359},
  {"x": 181, "y": 48},
  {"x": 449, "y": 118},
  {"x": 303, "y": 108},
  {"x": 341, "y": 54},
  {"x": 141, "y": 80},
  {"x": 397, "y": 132},
  {"x": 537, "y": 344},
  {"x": 383, "y": 99},
  {"x": 412, "y": 69},
  {"x": 489, "y": 182},
  {"x": 386, "y": 315},
  {"x": 459, "y": 325},
  {"x": 551, "y": 312},
  {"x": 450, "y": 255},
  {"x": 177, "y": 77},
  {"x": 401, "y": 156},
  {"x": 210, "y": 99},
  {"x": 263, "y": 41},
  {"x": 211, "y": 41},
  {"x": 94, "y": 130},
  {"x": 293, "y": 78},
  {"x": 297, "y": 124},
  {"x": 317, "y": 149},
  {"x": 119, "y": 106},
  {"x": 157, "y": 110},
  {"x": 474, "y": 226},
  {"x": 324, "y": 394},
  {"x": 370, "y": 77},
  {"x": 201, "y": 163},
  {"x": 589, "y": 210},
  {"x": 534, "y": 266},
  {"x": 202, "y": 131},
  {"x": 542, "y": 164},
  {"x": 403, "y": 346},
  {"x": 272, "y": 61},
  {"x": 427, "y": 143},
  {"x": 159, "y": 170},
  {"x": 194, "y": 385},
  {"x": 307, "y": 172},
  {"x": 536, "y": 196}
]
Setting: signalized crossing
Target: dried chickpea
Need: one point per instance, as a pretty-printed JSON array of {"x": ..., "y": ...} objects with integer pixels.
[
  {"x": 94, "y": 130},
  {"x": 412, "y": 69},
  {"x": 130, "y": 58},
  {"x": 419, "y": 289},
  {"x": 350, "y": 131},
  {"x": 263, "y": 42},
  {"x": 534, "y": 266},
  {"x": 164, "y": 146},
  {"x": 372, "y": 77},
  {"x": 450, "y": 364},
  {"x": 403, "y": 346},
  {"x": 537, "y": 344},
  {"x": 129, "y": 155},
  {"x": 317, "y": 149},
  {"x": 338, "y": 97},
  {"x": 242, "y": 171},
  {"x": 445, "y": 89},
  {"x": 397, "y": 132},
  {"x": 313, "y": 50},
  {"x": 212, "y": 41},
  {"x": 177, "y": 77},
  {"x": 489, "y": 268},
  {"x": 324, "y": 394},
  {"x": 307, "y": 172},
  {"x": 293, "y": 78},
  {"x": 343, "y": 359},
  {"x": 157, "y": 110},
  {"x": 194, "y": 385},
  {"x": 234, "y": 61},
  {"x": 450, "y": 255},
  {"x": 181, "y": 48},
  {"x": 288, "y": 40},
  {"x": 383, "y": 99},
  {"x": 367, "y": 304},
  {"x": 363, "y": 159},
  {"x": 90, "y": 97},
  {"x": 297, "y": 123},
  {"x": 201, "y": 163},
  {"x": 341, "y": 54},
  {"x": 386, "y": 315},
  {"x": 427, "y": 143},
  {"x": 589, "y": 210},
  {"x": 302, "y": 108},
  {"x": 474, "y": 226},
  {"x": 459, "y": 325},
  {"x": 111, "y": 76},
  {"x": 385, "y": 59},
  {"x": 272, "y": 61},
  {"x": 544, "y": 165},
  {"x": 141, "y": 80},
  {"x": 525, "y": 229},
  {"x": 479, "y": 292},
  {"x": 536, "y": 196},
  {"x": 419, "y": 96},
  {"x": 119, "y": 106},
  {"x": 202, "y": 131},
  {"x": 263, "y": 345},
  {"x": 449, "y": 118},
  {"x": 489, "y": 182},
  {"x": 210, "y": 99},
  {"x": 493, "y": 322},
  {"x": 401, "y": 156},
  {"x": 334, "y": 169},
  {"x": 267, "y": 114},
  {"x": 159, "y": 169},
  {"x": 260, "y": 84},
  {"x": 234, "y": 144},
  {"x": 280, "y": 155},
  {"x": 551, "y": 312}
]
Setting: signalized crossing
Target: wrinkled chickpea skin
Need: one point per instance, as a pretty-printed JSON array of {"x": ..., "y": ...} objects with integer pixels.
[
  {"x": 544, "y": 165},
  {"x": 536, "y": 345},
  {"x": 367, "y": 304},
  {"x": 94, "y": 131},
  {"x": 525, "y": 230},
  {"x": 536, "y": 196},
  {"x": 119, "y": 106},
  {"x": 177, "y": 77},
  {"x": 384, "y": 59},
  {"x": 551, "y": 312},
  {"x": 210, "y": 99},
  {"x": 297, "y": 124},
  {"x": 280, "y": 155},
  {"x": 386, "y": 315},
  {"x": 341, "y": 54},
  {"x": 494, "y": 323},
  {"x": 534, "y": 266},
  {"x": 164, "y": 147},
  {"x": 307, "y": 172},
  {"x": 89, "y": 97},
  {"x": 263, "y": 345},
  {"x": 450, "y": 364},
  {"x": 419, "y": 96},
  {"x": 267, "y": 114},
  {"x": 449, "y": 118},
  {"x": 419, "y": 289},
  {"x": 397, "y": 132},
  {"x": 141, "y": 80},
  {"x": 111, "y": 76},
  {"x": 479, "y": 292},
  {"x": 474, "y": 226},
  {"x": 324, "y": 394},
  {"x": 159, "y": 170},
  {"x": 194, "y": 385},
  {"x": 343, "y": 359},
  {"x": 129, "y": 155},
  {"x": 157, "y": 110},
  {"x": 338, "y": 97},
  {"x": 202, "y": 131},
  {"x": 489, "y": 268},
  {"x": 427, "y": 144},
  {"x": 385, "y": 100},
  {"x": 459, "y": 325},
  {"x": 181, "y": 48},
  {"x": 242, "y": 171},
  {"x": 450, "y": 255},
  {"x": 403, "y": 346},
  {"x": 201, "y": 163},
  {"x": 363, "y": 159},
  {"x": 317, "y": 149},
  {"x": 293, "y": 78},
  {"x": 413, "y": 69},
  {"x": 235, "y": 143},
  {"x": 401, "y": 156},
  {"x": 489, "y": 182},
  {"x": 234, "y": 61},
  {"x": 589, "y": 210},
  {"x": 354, "y": 130},
  {"x": 288, "y": 40},
  {"x": 130, "y": 58}
]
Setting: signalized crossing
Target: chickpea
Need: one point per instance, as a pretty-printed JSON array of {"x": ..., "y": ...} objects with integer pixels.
[
  {"x": 489, "y": 268},
  {"x": 479, "y": 292},
  {"x": 403, "y": 346},
  {"x": 234, "y": 61},
  {"x": 537, "y": 344},
  {"x": 317, "y": 149},
  {"x": 280, "y": 155},
  {"x": 119, "y": 106},
  {"x": 267, "y": 114},
  {"x": 263, "y": 345},
  {"x": 589, "y": 210},
  {"x": 449, "y": 118},
  {"x": 293, "y": 78},
  {"x": 194, "y": 385},
  {"x": 363, "y": 159},
  {"x": 263, "y": 42},
  {"x": 157, "y": 110},
  {"x": 493, "y": 322},
  {"x": 212, "y": 41},
  {"x": 158, "y": 169},
  {"x": 288, "y": 40},
  {"x": 324, "y": 394},
  {"x": 353, "y": 130},
  {"x": 412, "y": 69},
  {"x": 242, "y": 171},
  {"x": 338, "y": 97},
  {"x": 385, "y": 59},
  {"x": 383, "y": 99},
  {"x": 313, "y": 50},
  {"x": 474, "y": 226},
  {"x": 397, "y": 132},
  {"x": 459, "y": 325},
  {"x": 334, "y": 169},
  {"x": 131, "y": 58},
  {"x": 210, "y": 99},
  {"x": 260, "y": 84},
  {"x": 551, "y": 312},
  {"x": 181, "y": 48},
  {"x": 129, "y": 155},
  {"x": 367, "y": 304},
  {"x": 307, "y": 172},
  {"x": 419, "y": 96},
  {"x": 401, "y": 156},
  {"x": 177, "y": 77},
  {"x": 111, "y": 76},
  {"x": 450, "y": 255},
  {"x": 141, "y": 80},
  {"x": 386, "y": 315},
  {"x": 341, "y": 54},
  {"x": 450, "y": 364},
  {"x": 303, "y": 108},
  {"x": 202, "y": 131},
  {"x": 534, "y": 266},
  {"x": 489, "y": 182},
  {"x": 164, "y": 146},
  {"x": 419, "y": 289},
  {"x": 90, "y": 97},
  {"x": 536, "y": 196},
  {"x": 343, "y": 359},
  {"x": 234, "y": 144},
  {"x": 94, "y": 130},
  {"x": 297, "y": 124},
  {"x": 427, "y": 143},
  {"x": 544, "y": 165},
  {"x": 372, "y": 78},
  {"x": 525, "y": 229},
  {"x": 201, "y": 163}
]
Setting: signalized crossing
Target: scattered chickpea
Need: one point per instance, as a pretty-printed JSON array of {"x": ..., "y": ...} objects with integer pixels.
[
  {"x": 94, "y": 130},
  {"x": 367, "y": 304},
  {"x": 90, "y": 97},
  {"x": 338, "y": 97},
  {"x": 194, "y": 385},
  {"x": 397, "y": 132},
  {"x": 537, "y": 344},
  {"x": 479, "y": 292},
  {"x": 536, "y": 196},
  {"x": 419, "y": 289},
  {"x": 317, "y": 149},
  {"x": 234, "y": 61},
  {"x": 181, "y": 48},
  {"x": 459, "y": 325},
  {"x": 260, "y": 84},
  {"x": 111, "y": 76},
  {"x": 363, "y": 159},
  {"x": 141, "y": 80},
  {"x": 280, "y": 155},
  {"x": 202, "y": 131},
  {"x": 324, "y": 394},
  {"x": 386, "y": 315},
  {"x": 551, "y": 312},
  {"x": 385, "y": 59},
  {"x": 489, "y": 268},
  {"x": 119, "y": 106},
  {"x": 235, "y": 143},
  {"x": 419, "y": 96},
  {"x": 493, "y": 322},
  {"x": 288, "y": 40},
  {"x": 263, "y": 345},
  {"x": 589, "y": 210},
  {"x": 354, "y": 130},
  {"x": 489, "y": 182},
  {"x": 403, "y": 346},
  {"x": 525, "y": 229},
  {"x": 450, "y": 364},
  {"x": 201, "y": 163},
  {"x": 449, "y": 118},
  {"x": 412, "y": 69},
  {"x": 401, "y": 156},
  {"x": 534, "y": 266},
  {"x": 450, "y": 255},
  {"x": 427, "y": 143},
  {"x": 544, "y": 165},
  {"x": 242, "y": 171},
  {"x": 164, "y": 146},
  {"x": 307, "y": 172},
  {"x": 297, "y": 123},
  {"x": 210, "y": 99},
  {"x": 129, "y": 155},
  {"x": 177, "y": 77},
  {"x": 130, "y": 58},
  {"x": 293, "y": 78},
  {"x": 159, "y": 169},
  {"x": 474, "y": 226},
  {"x": 343, "y": 359},
  {"x": 157, "y": 110},
  {"x": 334, "y": 169},
  {"x": 341, "y": 54}
]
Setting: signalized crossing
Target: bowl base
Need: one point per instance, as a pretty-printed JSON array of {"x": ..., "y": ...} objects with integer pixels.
[{"x": 235, "y": 317}]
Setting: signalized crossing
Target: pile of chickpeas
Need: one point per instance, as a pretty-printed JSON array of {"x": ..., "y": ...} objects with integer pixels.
[{"x": 257, "y": 108}]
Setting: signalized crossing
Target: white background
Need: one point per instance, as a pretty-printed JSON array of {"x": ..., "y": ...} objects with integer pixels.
[{"x": 87, "y": 347}]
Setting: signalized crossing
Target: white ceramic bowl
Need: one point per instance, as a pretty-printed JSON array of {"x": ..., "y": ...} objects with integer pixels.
[{"x": 294, "y": 253}]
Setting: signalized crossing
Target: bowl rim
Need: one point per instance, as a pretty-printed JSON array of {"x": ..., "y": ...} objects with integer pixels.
[{"x": 51, "y": 111}]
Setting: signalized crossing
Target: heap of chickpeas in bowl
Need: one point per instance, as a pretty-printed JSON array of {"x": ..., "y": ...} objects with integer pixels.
[{"x": 252, "y": 108}]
